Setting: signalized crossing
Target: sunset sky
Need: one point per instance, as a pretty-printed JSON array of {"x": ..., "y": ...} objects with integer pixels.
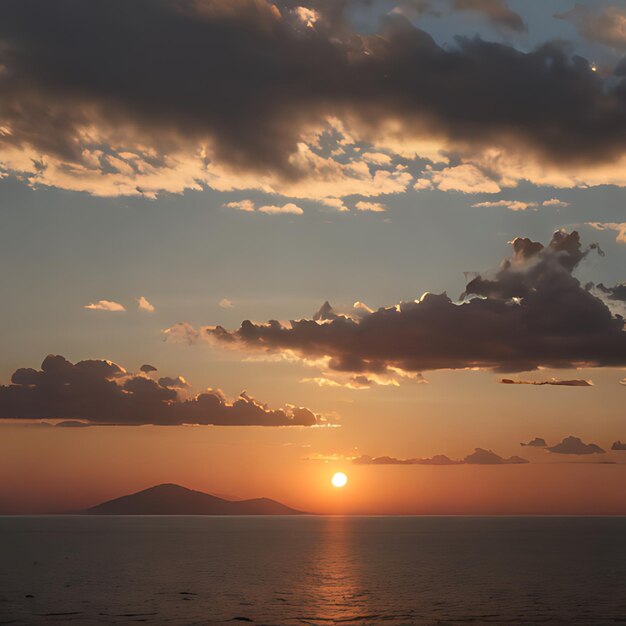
[{"x": 246, "y": 244}]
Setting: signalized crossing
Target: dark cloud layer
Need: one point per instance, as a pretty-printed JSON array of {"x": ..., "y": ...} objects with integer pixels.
[
  {"x": 480, "y": 456},
  {"x": 618, "y": 445},
  {"x": 102, "y": 392},
  {"x": 574, "y": 445},
  {"x": 576, "y": 382},
  {"x": 531, "y": 313},
  {"x": 251, "y": 78}
]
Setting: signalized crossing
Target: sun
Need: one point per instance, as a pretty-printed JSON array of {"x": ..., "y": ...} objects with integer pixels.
[{"x": 339, "y": 479}]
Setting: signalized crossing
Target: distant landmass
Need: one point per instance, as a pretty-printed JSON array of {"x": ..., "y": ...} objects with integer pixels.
[{"x": 172, "y": 499}]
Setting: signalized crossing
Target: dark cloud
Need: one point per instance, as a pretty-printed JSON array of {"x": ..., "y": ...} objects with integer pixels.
[
  {"x": 532, "y": 313},
  {"x": 497, "y": 11},
  {"x": 478, "y": 457},
  {"x": 618, "y": 445},
  {"x": 147, "y": 368},
  {"x": 574, "y": 445},
  {"x": 176, "y": 383},
  {"x": 576, "y": 382},
  {"x": 102, "y": 392},
  {"x": 488, "y": 457},
  {"x": 537, "y": 442},
  {"x": 250, "y": 79}
]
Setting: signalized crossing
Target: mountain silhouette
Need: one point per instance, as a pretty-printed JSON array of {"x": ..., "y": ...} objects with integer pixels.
[{"x": 172, "y": 499}]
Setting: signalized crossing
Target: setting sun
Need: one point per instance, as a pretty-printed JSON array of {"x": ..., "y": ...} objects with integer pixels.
[{"x": 339, "y": 479}]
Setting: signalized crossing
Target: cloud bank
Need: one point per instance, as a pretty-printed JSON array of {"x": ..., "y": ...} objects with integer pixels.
[
  {"x": 102, "y": 392},
  {"x": 480, "y": 456},
  {"x": 244, "y": 91},
  {"x": 531, "y": 313}
]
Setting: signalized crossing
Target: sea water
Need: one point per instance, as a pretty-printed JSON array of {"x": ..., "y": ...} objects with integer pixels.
[{"x": 312, "y": 570}]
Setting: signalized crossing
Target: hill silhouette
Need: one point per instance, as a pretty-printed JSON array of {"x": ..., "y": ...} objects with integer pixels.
[{"x": 170, "y": 499}]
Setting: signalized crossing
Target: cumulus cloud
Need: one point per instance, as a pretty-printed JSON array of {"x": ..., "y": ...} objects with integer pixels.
[
  {"x": 177, "y": 382},
  {"x": 289, "y": 208},
  {"x": 480, "y": 456},
  {"x": 249, "y": 207},
  {"x": 537, "y": 442},
  {"x": 335, "y": 203},
  {"x": 574, "y": 445},
  {"x": 102, "y": 392},
  {"x": 531, "y": 313},
  {"x": 241, "y": 205},
  {"x": 618, "y": 445},
  {"x": 239, "y": 97},
  {"x": 144, "y": 305},
  {"x": 619, "y": 227},
  {"x": 374, "y": 207},
  {"x": 146, "y": 368},
  {"x": 576, "y": 382},
  {"x": 105, "y": 305}
]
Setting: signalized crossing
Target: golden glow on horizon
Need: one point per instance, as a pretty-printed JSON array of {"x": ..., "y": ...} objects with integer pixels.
[{"x": 339, "y": 480}]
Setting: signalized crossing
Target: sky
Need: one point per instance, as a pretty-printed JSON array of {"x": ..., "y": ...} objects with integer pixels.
[{"x": 247, "y": 244}]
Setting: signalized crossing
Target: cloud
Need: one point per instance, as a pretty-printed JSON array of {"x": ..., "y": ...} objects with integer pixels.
[
  {"x": 335, "y": 203},
  {"x": 146, "y": 368},
  {"x": 71, "y": 424},
  {"x": 102, "y": 392},
  {"x": 241, "y": 205},
  {"x": 577, "y": 382},
  {"x": 242, "y": 93},
  {"x": 289, "y": 208},
  {"x": 606, "y": 26},
  {"x": 105, "y": 305},
  {"x": 537, "y": 442},
  {"x": 374, "y": 207},
  {"x": 438, "y": 459},
  {"x": 174, "y": 383},
  {"x": 518, "y": 205},
  {"x": 249, "y": 207},
  {"x": 497, "y": 11},
  {"x": 617, "y": 292},
  {"x": 573, "y": 445},
  {"x": 618, "y": 445},
  {"x": 225, "y": 303},
  {"x": 378, "y": 158},
  {"x": 144, "y": 305},
  {"x": 488, "y": 457},
  {"x": 465, "y": 178},
  {"x": 478, "y": 457},
  {"x": 620, "y": 227},
  {"x": 531, "y": 313}
]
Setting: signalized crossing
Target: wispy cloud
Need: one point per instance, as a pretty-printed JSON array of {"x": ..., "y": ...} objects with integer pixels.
[{"x": 105, "y": 305}]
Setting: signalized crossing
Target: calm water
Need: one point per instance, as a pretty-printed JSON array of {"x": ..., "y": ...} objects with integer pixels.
[{"x": 312, "y": 570}]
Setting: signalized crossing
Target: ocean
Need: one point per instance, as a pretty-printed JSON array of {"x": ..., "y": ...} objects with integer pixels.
[{"x": 312, "y": 570}]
